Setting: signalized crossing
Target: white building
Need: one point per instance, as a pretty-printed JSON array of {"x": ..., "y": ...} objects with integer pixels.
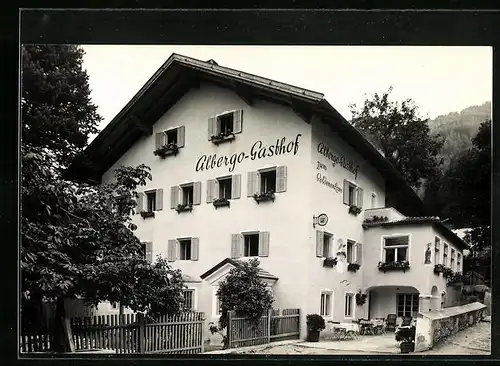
[{"x": 281, "y": 138}]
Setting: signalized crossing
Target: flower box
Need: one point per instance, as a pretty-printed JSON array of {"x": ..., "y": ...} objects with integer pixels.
[
  {"x": 360, "y": 299},
  {"x": 353, "y": 267},
  {"x": 438, "y": 268},
  {"x": 221, "y": 202},
  {"x": 330, "y": 262},
  {"x": 393, "y": 266},
  {"x": 265, "y": 196},
  {"x": 165, "y": 150},
  {"x": 376, "y": 219},
  {"x": 447, "y": 272},
  {"x": 183, "y": 208},
  {"x": 222, "y": 137},
  {"x": 146, "y": 214},
  {"x": 355, "y": 210}
]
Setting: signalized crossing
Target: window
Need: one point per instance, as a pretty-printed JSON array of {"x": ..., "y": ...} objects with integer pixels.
[
  {"x": 251, "y": 245},
  {"x": 225, "y": 185},
  {"x": 437, "y": 245},
  {"x": 452, "y": 259},
  {"x": 185, "y": 249},
  {"x": 172, "y": 136},
  {"x": 151, "y": 201},
  {"x": 459, "y": 262},
  {"x": 326, "y": 303},
  {"x": 396, "y": 249},
  {"x": 189, "y": 299},
  {"x": 147, "y": 250},
  {"x": 350, "y": 251},
  {"x": 226, "y": 123},
  {"x": 268, "y": 181},
  {"x": 407, "y": 305},
  {"x": 445, "y": 254},
  {"x": 374, "y": 200},
  {"x": 218, "y": 307},
  {"x": 348, "y": 310},
  {"x": 113, "y": 305},
  {"x": 187, "y": 194},
  {"x": 327, "y": 245},
  {"x": 353, "y": 195}
]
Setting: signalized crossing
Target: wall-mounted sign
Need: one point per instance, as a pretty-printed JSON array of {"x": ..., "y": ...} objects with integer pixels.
[
  {"x": 323, "y": 180},
  {"x": 320, "y": 220},
  {"x": 340, "y": 160},
  {"x": 257, "y": 151}
]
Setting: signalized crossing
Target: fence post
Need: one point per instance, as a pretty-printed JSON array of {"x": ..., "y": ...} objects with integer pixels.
[
  {"x": 269, "y": 313},
  {"x": 142, "y": 338},
  {"x": 202, "y": 336},
  {"x": 229, "y": 328},
  {"x": 68, "y": 334}
]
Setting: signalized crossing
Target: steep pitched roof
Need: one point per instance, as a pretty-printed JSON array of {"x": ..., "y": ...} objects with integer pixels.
[
  {"x": 179, "y": 74},
  {"x": 262, "y": 273},
  {"x": 433, "y": 220}
]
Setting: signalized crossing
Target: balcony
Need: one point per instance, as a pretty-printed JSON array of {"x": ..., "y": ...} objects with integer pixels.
[{"x": 391, "y": 213}]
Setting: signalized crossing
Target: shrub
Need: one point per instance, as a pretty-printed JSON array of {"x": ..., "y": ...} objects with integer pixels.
[{"x": 315, "y": 322}]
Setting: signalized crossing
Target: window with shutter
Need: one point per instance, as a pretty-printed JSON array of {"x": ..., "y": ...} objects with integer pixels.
[
  {"x": 263, "y": 244},
  {"x": 319, "y": 243},
  {"x": 195, "y": 248},
  {"x": 223, "y": 127},
  {"x": 151, "y": 201},
  {"x": 350, "y": 251},
  {"x": 184, "y": 249},
  {"x": 236, "y": 186},
  {"x": 172, "y": 250},
  {"x": 140, "y": 203},
  {"x": 251, "y": 245},
  {"x": 168, "y": 142},
  {"x": 353, "y": 195},
  {"x": 359, "y": 253},
  {"x": 236, "y": 245},
  {"x": 225, "y": 187},
  {"x": 327, "y": 245}
]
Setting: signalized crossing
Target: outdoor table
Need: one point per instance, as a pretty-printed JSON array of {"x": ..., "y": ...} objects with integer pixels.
[
  {"x": 366, "y": 327},
  {"x": 344, "y": 330}
]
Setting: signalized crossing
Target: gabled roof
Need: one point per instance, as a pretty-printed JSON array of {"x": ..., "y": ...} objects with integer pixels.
[
  {"x": 262, "y": 273},
  {"x": 434, "y": 221},
  {"x": 179, "y": 74}
]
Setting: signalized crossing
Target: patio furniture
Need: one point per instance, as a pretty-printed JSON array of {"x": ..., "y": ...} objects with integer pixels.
[
  {"x": 379, "y": 326},
  {"x": 342, "y": 331},
  {"x": 366, "y": 327},
  {"x": 390, "y": 322},
  {"x": 406, "y": 321}
]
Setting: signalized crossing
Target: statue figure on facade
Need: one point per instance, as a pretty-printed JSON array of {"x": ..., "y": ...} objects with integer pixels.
[{"x": 428, "y": 254}]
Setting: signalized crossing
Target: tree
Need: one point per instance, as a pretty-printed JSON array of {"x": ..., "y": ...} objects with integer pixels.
[
  {"x": 243, "y": 292},
  {"x": 401, "y": 135},
  {"x": 56, "y": 107}
]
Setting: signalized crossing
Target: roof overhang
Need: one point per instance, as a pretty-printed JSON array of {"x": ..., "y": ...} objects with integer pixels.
[
  {"x": 218, "y": 272},
  {"x": 180, "y": 74}
]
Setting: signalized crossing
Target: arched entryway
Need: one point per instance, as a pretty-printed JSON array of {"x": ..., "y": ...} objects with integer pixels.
[
  {"x": 435, "y": 298},
  {"x": 399, "y": 300}
]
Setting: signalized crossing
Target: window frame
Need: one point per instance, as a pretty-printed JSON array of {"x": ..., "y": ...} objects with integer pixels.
[
  {"x": 353, "y": 251},
  {"x": 249, "y": 234},
  {"x": 180, "y": 241},
  {"x": 230, "y": 185},
  {"x": 263, "y": 175},
  {"x": 395, "y": 235},
  {"x": 331, "y": 293},
  {"x": 437, "y": 250},
  {"x": 215, "y": 302},
  {"x": 355, "y": 193},
  {"x": 187, "y": 186},
  {"x": 446, "y": 248},
  {"x": 147, "y": 195},
  {"x": 193, "y": 297},
  {"x": 405, "y": 295},
  {"x": 330, "y": 236},
  {"x": 171, "y": 131},
  {"x": 353, "y": 305},
  {"x": 220, "y": 118}
]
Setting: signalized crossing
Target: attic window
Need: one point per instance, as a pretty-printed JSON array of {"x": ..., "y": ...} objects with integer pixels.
[{"x": 226, "y": 123}]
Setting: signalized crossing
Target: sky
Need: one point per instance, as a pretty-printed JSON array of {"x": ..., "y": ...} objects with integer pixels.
[{"x": 438, "y": 79}]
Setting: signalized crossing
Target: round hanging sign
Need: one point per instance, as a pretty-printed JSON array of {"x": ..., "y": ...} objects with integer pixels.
[{"x": 322, "y": 220}]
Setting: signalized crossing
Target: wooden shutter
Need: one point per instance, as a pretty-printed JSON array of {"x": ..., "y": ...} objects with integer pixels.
[
  {"x": 181, "y": 136},
  {"x": 360, "y": 197},
  {"x": 172, "y": 250},
  {"x": 236, "y": 186},
  {"x": 359, "y": 253},
  {"x": 196, "y": 193},
  {"x": 159, "y": 139},
  {"x": 174, "y": 196},
  {"x": 346, "y": 192},
  {"x": 319, "y": 243},
  {"x": 237, "y": 121},
  {"x": 140, "y": 203},
  {"x": 264, "y": 244},
  {"x": 159, "y": 199},
  {"x": 149, "y": 251},
  {"x": 236, "y": 245},
  {"x": 212, "y": 127},
  {"x": 281, "y": 178},
  {"x": 194, "y": 248},
  {"x": 251, "y": 183},
  {"x": 211, "y": 185}
]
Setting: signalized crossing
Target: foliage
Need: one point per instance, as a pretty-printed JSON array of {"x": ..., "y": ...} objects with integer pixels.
[
  {"x": 315, "y": 322},
  {"x": 219, "y": 202},
  {"x": 439, "y": 268},
  {"x": 360, "y": 298},
  {"x": 353, "y": 267},
  {"x": 166, "y": 149},
  {"x": 184, "y": 207},
  {"x": 401, "y": 135},
  {"x": 375, "y": 219},
  {"x": 355, "y": 210},
  {"x": 56, "y": 110},
  {"x": 406, "y": 334},
  {"x": 264, "y": 196},
  {"x": 243, "y": 292},
  {"x": 329, "y": 262},
  {"x": 393, "y": 266}
]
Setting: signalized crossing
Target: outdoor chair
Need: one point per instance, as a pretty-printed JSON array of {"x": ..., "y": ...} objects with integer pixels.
[
  {"x": 406, "y": 321},
  {"x": 390, "y": 322}
]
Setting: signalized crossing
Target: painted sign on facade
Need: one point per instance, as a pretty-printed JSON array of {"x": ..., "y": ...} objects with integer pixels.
[
  {"x": 338, "y": 159},
  {"x": 257, "y": 151}
]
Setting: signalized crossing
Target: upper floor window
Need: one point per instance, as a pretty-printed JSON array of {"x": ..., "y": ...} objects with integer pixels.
[
  {"x": 324, "y": 244},
  {"x": 186, "y": 195},
  {"x": 459, "y": 262},
  {"x": 228, "y": 187},
  {"x": 353, "y": 195},
  {"x": 169, "y": 141},
  {"x": 183, "y": 249},
  {"x": 437, "y": 248},
  {"x": 452, "y": 259},
  {"x": 351, "y": 253},
  {"x": 445, "y": 254},
  {"x": 269, "y": 180},
  {"x": 396, "y": 248},
  {"x": 150, "y": 201},
  {"x": 224, "y": 126},
  {"x": 250, "y": 244},
  {"x": 147, "y": 250}
]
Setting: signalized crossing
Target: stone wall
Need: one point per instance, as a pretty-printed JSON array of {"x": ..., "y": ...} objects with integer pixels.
[{"x": 435, "y": 326}]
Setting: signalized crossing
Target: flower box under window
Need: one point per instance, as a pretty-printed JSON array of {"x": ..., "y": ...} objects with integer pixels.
[
  {"x": 330, "y": 262},
  {"x": 393, "y": 266},
  {"x": 146, "y": 214},
  {"x": 221, "y": 202},
  {"x": 360, "y": 299},
  {"x": 376, "y": 219},
  {"x": 354, "y": 210},
  {"x": 353, "y": 267},
  {"x": 447, "y": 272},
  {"x": 167, "y": 149},
  {"x": 264, "y": 196},
  {"x": 438, "y": 268},
  {"x": 222, "y": 137},
  {"x": 183, "y": 208}
]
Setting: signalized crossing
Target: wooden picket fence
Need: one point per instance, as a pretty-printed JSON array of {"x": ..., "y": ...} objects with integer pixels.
[
  {"x": 274, "y": 326},
  {"x": 129, "y": 333}
]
